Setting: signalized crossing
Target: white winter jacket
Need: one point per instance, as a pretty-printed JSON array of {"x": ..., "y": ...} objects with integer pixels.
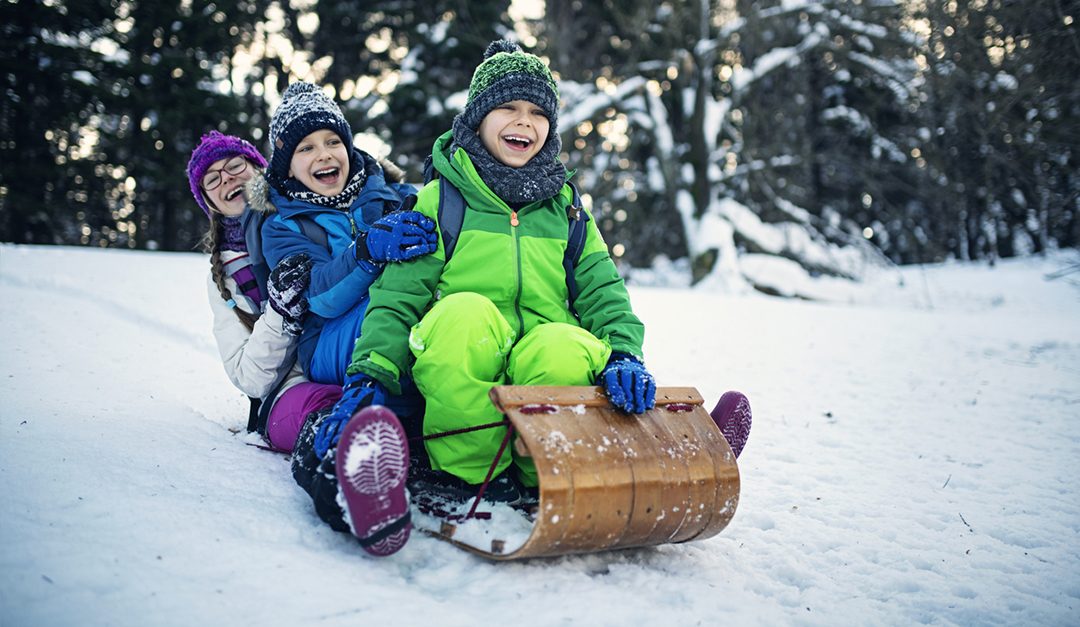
[{"x": 253, "y": 359}]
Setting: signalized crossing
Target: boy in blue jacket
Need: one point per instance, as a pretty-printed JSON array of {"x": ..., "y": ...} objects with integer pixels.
[
  {"x": 332, "y": 202},
  {"x": 318, "y": 182}
]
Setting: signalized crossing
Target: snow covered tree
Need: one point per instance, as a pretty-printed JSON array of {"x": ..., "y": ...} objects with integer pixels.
[
  {"x": 704, "y": 113},
  {"x": 1001, "y": 113},
  {"x": 174, "y": 87},
  {"x": 830, "y": 120},
  {"x": 47, "y": 168},
  {"x": 103, "y": 120}
]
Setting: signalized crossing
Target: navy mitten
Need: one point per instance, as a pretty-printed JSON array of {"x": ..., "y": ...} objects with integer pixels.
[{"x": 286, "y": 287}]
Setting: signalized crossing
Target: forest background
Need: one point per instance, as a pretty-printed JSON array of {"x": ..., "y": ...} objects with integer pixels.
[{"x": 723, "y": 141}]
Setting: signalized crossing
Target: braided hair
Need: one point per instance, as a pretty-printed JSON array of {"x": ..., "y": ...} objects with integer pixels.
[{"x": 210, "y": 241}]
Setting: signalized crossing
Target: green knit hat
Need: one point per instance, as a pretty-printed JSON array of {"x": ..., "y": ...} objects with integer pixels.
[{"x": 507, "y": 73}]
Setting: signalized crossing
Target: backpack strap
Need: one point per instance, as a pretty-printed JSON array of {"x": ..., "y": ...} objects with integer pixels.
[
  {"x": 311, "y": 230},
  {"x": 451, "y": 215},
  {"x": 575, "y": 243},
  {"x": 451, "y": 211},
  {"x": 241, "y": 270},
  {"x": 430, "y": 173}
]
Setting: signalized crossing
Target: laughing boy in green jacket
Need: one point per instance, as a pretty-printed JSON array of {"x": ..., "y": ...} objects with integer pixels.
[{"x": 497, "y": 312}]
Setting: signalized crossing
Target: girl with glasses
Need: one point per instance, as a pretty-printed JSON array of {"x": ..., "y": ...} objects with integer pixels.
[{"x": 257, "y": 343}]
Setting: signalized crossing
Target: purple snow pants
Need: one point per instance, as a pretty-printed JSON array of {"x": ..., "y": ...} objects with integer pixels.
[{"x": 293, "y": 407}]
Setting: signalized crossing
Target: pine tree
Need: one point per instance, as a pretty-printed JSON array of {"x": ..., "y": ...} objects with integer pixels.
[
  {"x": 102, "y": 123},
  {"x": 401, "y": 68},
  {"x": 175, "y": 86},
  {"x": 1002, "y": 106},
  {"x": 48, "y": 168},
  {"x": 712, "y": 99}
]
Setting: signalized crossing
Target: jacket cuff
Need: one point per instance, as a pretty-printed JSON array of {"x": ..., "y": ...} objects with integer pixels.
[
  {"x": 379, "y": 368},
  {"x": 360, "y": 248},
  {"x": 276, "y": 321},
  {"x": 367, "y": 265},
  {"x": 617, "y": 354}
]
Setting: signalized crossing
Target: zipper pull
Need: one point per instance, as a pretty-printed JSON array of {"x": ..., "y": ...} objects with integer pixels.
[{"x": 513, "y": 218}]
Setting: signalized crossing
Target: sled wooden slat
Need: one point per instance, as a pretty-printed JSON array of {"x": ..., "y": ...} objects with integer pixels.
[{"x": 610, "y": 480}]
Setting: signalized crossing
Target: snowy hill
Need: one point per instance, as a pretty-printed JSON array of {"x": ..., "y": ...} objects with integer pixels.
[{"x": 913, "y": 460}]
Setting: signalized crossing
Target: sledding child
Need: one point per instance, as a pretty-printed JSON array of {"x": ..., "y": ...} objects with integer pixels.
[
  {"x": 332, "y": 203},
  {"x": 499, "y": 310},
  {"x": 257, "y": 347}
]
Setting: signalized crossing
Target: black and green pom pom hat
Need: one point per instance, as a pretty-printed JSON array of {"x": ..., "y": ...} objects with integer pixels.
[{"x": 508, "y": 73}]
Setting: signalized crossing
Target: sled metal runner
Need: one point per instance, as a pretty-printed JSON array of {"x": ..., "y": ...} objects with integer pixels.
[{"x": 610, "y": 480}]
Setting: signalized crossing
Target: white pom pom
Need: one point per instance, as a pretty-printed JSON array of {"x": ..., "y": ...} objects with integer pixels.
[{"x": 297, "y": 88}]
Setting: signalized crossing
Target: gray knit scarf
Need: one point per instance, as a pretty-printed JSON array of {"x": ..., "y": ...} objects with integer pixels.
[{"x": 539, "y": 179}]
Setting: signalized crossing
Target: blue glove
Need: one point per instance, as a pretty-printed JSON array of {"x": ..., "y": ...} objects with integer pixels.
[
  {"x": 360, "y": 391},
  {"x": 398, "y": 236},
  {"x": 628, "y": 385}
]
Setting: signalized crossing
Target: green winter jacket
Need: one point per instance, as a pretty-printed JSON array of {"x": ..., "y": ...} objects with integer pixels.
[{"x": 519, "y": 268}]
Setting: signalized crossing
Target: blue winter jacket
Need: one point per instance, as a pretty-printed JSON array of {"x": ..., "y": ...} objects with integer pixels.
[{"x": 338, "y": 293}]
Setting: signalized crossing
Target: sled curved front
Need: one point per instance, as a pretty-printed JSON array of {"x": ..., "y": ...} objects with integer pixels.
[{"x": 611, "y": 480}]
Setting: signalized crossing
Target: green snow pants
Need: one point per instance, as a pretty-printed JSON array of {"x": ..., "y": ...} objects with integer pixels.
[{"x": 464, "y": 347}]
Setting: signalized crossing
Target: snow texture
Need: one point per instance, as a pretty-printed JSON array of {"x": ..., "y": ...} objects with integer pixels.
[{"x": 913, "y": 460}]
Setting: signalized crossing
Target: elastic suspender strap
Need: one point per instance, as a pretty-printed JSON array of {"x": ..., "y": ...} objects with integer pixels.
[
  {"x": 267, "y": 403},
  {"x": 491, "y": 471}
]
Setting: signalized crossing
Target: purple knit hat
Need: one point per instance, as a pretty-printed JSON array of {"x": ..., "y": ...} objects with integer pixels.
[{"x": 212, "y": 147}]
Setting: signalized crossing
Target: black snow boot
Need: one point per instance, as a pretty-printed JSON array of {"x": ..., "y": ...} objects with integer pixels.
[{"x": 317, "y": 476}]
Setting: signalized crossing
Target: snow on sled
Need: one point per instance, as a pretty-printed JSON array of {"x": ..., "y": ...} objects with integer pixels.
[{"x": 608, "y": 480}]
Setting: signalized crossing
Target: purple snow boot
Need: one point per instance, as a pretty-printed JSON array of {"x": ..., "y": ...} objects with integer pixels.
[
  {"x": 372, "y": 463},
  {"x": 732, "y": 415}
]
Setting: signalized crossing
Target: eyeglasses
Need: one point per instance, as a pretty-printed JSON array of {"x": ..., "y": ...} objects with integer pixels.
[{"x": 212, "y": 179}]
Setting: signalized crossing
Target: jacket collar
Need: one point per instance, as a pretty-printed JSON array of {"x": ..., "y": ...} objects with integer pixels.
[{"x": 374, "y": 197}]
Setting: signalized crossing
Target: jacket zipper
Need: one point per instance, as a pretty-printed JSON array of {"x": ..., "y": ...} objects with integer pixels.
[
  {"x": 352, "y": 225},
  {"x": 514, "y": 222}
]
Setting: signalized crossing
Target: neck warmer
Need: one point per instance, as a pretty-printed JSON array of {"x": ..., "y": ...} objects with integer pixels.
[
  {"x": 232, "y": 234},
  {"x": 541, "y": 178},
  {"x": 357, "y": 176}
]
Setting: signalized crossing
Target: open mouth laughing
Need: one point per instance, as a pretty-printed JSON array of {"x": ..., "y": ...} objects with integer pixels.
[
  {"x": 327, "y": 176},
  {"x": 519, "y": 143},
  {"x": 236, "y": 191}
]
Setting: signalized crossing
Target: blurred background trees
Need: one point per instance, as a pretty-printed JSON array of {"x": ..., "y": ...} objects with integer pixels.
[{"x": 731, "y": 138}]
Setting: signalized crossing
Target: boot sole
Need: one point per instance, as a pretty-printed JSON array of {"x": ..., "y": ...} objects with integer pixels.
[
  {"x": 372, "y": 463},
  {"x": 733, "y": 416}
]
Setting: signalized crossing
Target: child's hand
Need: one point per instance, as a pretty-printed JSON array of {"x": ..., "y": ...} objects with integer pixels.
[
  {"x": 288, "y": 282},
  {"x": 628, "y": 385},
  {"x": 399, "y": 236},
  {"x": 360, "y": 391}
]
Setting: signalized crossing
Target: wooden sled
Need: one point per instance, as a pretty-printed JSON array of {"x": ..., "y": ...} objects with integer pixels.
[{"x": 609, "y": 480}]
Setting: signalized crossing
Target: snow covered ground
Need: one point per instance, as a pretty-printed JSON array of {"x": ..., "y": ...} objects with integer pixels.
[{"x": 914, "y": 460}]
